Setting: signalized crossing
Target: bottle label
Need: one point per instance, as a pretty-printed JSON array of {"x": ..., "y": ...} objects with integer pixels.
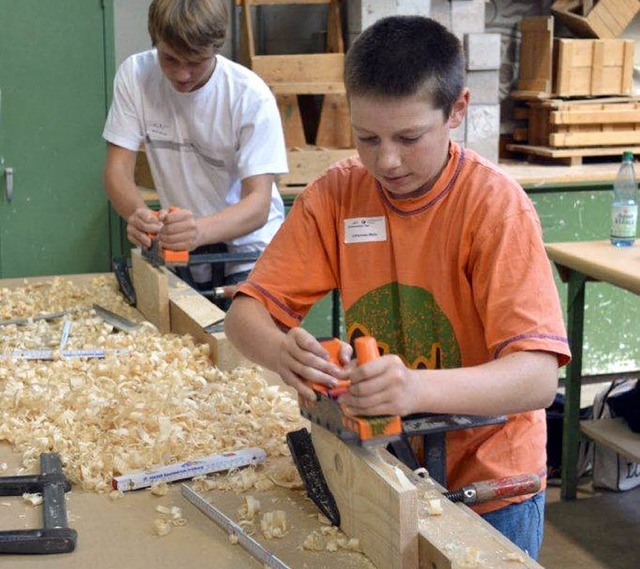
[{"x": 624, "y": 219}]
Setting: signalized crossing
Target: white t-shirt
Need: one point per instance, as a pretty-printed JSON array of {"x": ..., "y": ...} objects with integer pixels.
[{"x": 200, "y": 145}]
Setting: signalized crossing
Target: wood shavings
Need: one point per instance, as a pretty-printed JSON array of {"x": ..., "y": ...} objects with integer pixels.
[
  {"x": 513, "y": 557},
  {"x": 250, "y": 509},
  {"x": 33, "y": 499},
  {"x": 233, "y": 538},
  {"x": 433, "y": 507},
  {"x": 159, "y": 489},
  {"x": 162, "y": 402},
  {"x": 116, "y": 495},
  {"x": 330, "y": 538},
  {"x": 3, "y": 466},
  {"x": 464, "y": 558},
  {"x": 274, "y": 524},
  {"x": 162, "y": 526}
]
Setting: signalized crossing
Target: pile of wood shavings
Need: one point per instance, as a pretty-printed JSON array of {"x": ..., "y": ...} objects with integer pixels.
[{"x": 161, "y": 402}]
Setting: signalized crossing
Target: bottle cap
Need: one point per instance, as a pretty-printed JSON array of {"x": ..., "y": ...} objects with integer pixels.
[{"x": 627, "y": 155}]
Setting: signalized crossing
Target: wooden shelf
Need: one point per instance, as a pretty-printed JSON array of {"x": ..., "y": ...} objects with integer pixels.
[{"x": 615, "y": 434}]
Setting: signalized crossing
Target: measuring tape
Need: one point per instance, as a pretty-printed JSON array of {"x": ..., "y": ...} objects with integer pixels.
[
  {"x": 231, "y": 527},
  {"x": 51, "y": 355},
  {"x": 189, "y": 469}
]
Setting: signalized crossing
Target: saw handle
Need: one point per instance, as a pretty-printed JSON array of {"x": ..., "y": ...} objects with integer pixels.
[{"x": 170, "y": 256}]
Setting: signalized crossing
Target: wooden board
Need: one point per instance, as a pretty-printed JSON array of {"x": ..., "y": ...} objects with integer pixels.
[
  {"x": 614, "y": 434},
  {"x": 377, "y": 503},
  {"x": 536, "y": 54},
  {"x": 152, "y": 291}
]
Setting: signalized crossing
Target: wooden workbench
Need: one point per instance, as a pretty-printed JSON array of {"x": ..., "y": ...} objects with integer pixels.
[{"x": 380, "y": 502}]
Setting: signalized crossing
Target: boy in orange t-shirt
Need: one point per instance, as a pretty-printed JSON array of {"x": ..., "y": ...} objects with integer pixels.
[{"x": 438, "y": 254}]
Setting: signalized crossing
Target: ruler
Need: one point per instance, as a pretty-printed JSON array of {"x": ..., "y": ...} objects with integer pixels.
[
  {"x": 231, "y": 527},
  {"x": 189, "y": 469},
  {"x": 51, "y": 354}
]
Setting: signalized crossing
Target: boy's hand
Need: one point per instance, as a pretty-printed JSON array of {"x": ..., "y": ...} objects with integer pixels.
[
  {"x": 140, "y": 223},
  {"x": 384, "y": 386},
  {"x": 179, "y": 230},
  {"x": 302, "y": 359}
]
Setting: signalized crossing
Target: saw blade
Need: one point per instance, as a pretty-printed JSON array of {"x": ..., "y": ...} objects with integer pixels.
[{"x": 306, "y": 461}]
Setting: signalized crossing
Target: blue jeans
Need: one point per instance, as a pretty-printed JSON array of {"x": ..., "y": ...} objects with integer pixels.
[{"x": 522, "y": 523}]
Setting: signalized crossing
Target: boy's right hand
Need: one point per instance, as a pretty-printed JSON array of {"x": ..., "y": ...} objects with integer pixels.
[
  {"x": 302, "y": 359},
  {"x": 140, "y": 223}
]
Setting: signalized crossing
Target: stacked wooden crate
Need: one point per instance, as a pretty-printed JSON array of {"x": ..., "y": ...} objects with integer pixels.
[{"x": 575, "y": 95}]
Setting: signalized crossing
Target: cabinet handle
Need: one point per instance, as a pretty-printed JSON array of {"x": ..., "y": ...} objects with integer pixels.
[{"x": 8, "y": 176}]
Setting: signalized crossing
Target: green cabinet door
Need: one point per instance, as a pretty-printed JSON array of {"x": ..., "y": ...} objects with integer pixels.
[{"x": 53, "y": 100}]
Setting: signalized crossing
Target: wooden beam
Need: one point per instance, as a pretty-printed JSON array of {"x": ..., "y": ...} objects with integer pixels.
[
  {"x": 385, "y": 506},
  {"x": 191, "y": 313},
  {"x": 377, "y": 503},
  {"x": 152, "y": 291}
]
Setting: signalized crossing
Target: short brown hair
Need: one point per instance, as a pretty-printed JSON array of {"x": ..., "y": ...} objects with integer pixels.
[
  {"x": 189, "y": 26},
  {"x": 402, "y": 56}
]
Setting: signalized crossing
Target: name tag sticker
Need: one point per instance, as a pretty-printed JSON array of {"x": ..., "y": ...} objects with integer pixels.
[{"x": 365, "y": 229}]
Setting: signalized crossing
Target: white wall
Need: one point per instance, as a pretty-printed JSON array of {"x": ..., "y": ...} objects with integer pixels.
[
  {"x": 130, "y": 24},
  {"x": 130, "y": 28}
]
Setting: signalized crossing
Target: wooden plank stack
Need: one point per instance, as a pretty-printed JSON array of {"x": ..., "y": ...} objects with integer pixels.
[{"x": 574, "y": 96}]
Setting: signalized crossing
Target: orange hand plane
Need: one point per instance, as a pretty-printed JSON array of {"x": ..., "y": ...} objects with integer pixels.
[
  {"x": 159, "y": 256},
  {"x": 328, "y": 413}
]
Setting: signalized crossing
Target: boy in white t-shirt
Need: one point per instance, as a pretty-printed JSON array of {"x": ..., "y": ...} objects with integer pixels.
[{"x": 213, "y": 138}]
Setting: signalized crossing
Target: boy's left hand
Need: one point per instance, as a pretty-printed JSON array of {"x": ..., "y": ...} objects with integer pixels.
[
  {"x": 384, "y": 386},
  {"x": 179, "y": 230}
]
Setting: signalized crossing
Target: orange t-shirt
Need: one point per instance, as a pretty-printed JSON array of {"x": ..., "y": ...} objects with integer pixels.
[{"x": 453, "y": 278}]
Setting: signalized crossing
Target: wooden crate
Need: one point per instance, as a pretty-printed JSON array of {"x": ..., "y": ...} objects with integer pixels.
[
  {"x": 565, "y": 129},
  {"x": 599, "y": 19},
  {"x": 593, "y": 67},
  {"x": 571, "y": 67}
]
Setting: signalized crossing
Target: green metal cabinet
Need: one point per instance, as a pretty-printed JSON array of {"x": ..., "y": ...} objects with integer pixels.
[{"x": 55, "y": 77}]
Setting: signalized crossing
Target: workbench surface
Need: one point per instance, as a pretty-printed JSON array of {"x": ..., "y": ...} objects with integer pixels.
[{"x": 119, "y": 533}]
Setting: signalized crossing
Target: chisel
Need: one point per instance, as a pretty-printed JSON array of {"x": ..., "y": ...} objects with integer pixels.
[{"x": 495, "y": 489}]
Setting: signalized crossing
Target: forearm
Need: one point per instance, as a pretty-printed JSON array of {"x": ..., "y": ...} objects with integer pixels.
[
  {"x": 250, "y": 328},
  {"x": 242, "y": 218},
  {"x": 120, "y": 183},
  {"x": 515, "y": 383}
]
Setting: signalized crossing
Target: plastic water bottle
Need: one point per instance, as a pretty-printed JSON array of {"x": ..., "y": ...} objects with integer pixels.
[{"x": 624, "y": 208}]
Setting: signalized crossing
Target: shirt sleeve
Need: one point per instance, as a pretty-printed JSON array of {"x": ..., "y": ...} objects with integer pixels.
[
  {"x": 123, "y": 125},
  {"x": 514, "y": 290},
  {"x": 296, "y": 270},
  {"x": 261, "y": 148}
]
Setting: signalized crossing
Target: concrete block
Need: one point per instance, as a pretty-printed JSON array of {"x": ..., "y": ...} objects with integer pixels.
[
  {"x": 483, "y": 130},
  {"x": 467, "y": 17},
  {"x": 362, "y": 13},
  {"x": 484, "y": 87},
  {"x": 482, "y": 51}
]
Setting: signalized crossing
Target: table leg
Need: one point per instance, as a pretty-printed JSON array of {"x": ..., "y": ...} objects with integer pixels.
[{"x": 571, "y": 422}]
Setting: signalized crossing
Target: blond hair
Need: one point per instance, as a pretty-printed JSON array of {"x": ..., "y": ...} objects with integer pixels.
[{"x": 189, "y": 26}]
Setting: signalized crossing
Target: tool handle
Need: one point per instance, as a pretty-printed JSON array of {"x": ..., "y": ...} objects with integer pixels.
[
  {"x": 332, "y": 345},
  {"x": 366, "y": 349},
  {"x": 171, "y": 256},
  {"x": 507, "y": 487},
  {"x": 496, "y": 489}
]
